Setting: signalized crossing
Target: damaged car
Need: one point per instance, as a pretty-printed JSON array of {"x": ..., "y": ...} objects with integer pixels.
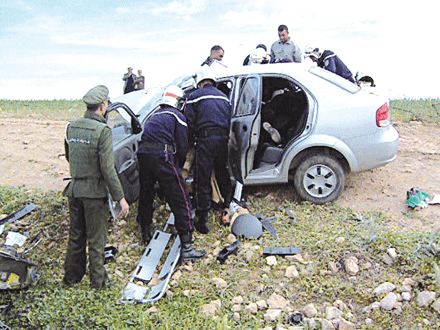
[{"x": 292, "y": 124}]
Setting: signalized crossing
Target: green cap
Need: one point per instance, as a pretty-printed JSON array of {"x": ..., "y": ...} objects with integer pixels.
[{"x": 96, "y": 95}]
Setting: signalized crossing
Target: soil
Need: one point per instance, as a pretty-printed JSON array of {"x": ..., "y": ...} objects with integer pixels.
[{"x": 32, "y": 155}]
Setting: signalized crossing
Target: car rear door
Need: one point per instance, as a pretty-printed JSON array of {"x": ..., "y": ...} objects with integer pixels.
[
  {"x": 245, "y": 126},
  {"x": 125, "y": 133}
]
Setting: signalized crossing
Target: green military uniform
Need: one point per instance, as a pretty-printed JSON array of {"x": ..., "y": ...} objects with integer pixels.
[{"x": 89, "y": 151}]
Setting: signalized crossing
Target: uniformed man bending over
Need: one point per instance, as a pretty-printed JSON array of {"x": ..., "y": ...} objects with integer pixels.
[
  {"x": 162, "y": 152},
  {"x": 208, "y": 113},
  {"x": 89, "y": 151}
]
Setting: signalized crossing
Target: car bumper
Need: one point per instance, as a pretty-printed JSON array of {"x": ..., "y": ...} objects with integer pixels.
[{"x": 375, "y": 150}]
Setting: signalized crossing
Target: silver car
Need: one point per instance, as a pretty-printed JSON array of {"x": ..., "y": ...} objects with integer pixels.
[{"x": 326, "y": 127}]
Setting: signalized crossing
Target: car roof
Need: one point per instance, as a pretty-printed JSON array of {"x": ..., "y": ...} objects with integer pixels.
[{"x": 302, "y": 72}]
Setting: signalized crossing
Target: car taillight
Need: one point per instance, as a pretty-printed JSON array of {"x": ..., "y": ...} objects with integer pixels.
[{"x": 382, "y": 116}]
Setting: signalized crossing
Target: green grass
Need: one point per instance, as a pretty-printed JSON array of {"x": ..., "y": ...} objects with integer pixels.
[
  {"x": 48, "y": 305},
  {"x": 424, "y": 110},
  {"x": 44, "y": 109}
]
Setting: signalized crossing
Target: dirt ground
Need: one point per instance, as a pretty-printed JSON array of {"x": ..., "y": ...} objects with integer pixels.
[{"x": 32, "y": 154}]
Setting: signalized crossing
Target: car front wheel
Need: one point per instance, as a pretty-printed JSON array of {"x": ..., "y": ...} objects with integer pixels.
[{"x": 319, "y": 179}]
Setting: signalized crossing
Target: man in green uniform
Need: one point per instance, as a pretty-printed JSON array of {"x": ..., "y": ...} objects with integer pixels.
[{"x": 89, "y": 151}]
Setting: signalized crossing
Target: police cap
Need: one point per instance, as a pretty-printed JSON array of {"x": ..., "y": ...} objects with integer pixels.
[{"x": 96, "y": 96}]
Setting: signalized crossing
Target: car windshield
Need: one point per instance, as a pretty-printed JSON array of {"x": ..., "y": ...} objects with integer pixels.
[
  {"x": 184, "y": 81},
  {"x": 335, "y": 79}
]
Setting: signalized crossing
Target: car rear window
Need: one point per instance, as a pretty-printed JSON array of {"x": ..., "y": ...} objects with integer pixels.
[{"x": 335, "y": 79}]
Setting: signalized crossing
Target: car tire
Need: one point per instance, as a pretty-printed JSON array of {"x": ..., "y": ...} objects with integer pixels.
[{"x": 319, "y": 179}]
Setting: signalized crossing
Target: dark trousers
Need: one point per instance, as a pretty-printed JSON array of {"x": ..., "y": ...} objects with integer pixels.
[
  {"x": 157, "y": 166},
  {"x": 211, "y": 154},
  {"x": 88, "y": 228}
]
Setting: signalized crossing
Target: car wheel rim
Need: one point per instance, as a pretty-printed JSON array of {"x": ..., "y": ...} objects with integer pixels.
[{"x": 320, "y": 181}]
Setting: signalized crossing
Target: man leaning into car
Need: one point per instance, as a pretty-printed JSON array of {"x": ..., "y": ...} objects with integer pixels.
[
  {"x": 208, "y": 113},
  {"x": 89, "y": 151}
]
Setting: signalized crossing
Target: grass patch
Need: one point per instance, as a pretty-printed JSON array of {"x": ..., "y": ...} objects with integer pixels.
[
  {"x": 43, "y": 109},
  {"x": 424, "y": 110},
  {"x": 47, "y": 304}
]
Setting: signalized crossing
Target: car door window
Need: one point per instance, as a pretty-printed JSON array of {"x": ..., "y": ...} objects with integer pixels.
[
  {"x": 120, "y": 127},
  {"x": 247, "y": 102}
]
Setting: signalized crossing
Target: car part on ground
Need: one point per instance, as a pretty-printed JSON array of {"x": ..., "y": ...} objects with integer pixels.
[
  {"x": 247, "y": 226},
  {"x": 283, "y": 251},
  {"x": 25, "y": 210},
  {"x": 135, "y": 291},
  {"x": 109, "y": 254},
  {"x": 227, "y": 251},
  {"x": 268, "y": 225},
  {"x": 319, "y": 179},
  {"x": 16, "y": 272}
]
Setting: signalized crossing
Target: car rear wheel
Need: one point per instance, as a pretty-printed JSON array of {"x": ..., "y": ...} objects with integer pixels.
[{"x": 319, "y": 179}]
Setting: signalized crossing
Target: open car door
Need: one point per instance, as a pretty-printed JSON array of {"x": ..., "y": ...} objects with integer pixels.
[
  {"x": 245, "y": 127},
  {"x": 125, "y": 133}
]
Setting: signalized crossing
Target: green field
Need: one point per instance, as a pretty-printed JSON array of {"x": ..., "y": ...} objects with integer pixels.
[{"x": 47, "y": 304}]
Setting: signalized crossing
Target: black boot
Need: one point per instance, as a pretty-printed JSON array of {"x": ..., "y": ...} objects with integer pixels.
[
  {"x": 202, "y": 224},
  {"x": 187, "y": 252},
  {"x": 145, "y": 234}
]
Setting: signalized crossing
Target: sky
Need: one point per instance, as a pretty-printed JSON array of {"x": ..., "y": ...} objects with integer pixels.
[{"x": 60, "y": 49}]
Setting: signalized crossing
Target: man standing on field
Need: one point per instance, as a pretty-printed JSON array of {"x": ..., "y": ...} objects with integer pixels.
[{"x": 89, "y": 150}]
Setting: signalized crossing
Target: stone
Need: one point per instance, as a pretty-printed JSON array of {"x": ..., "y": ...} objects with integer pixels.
[
  {"x": 217, "y": 303},
  {"x": 272, "y": 315},
  {"x": 151, "y": 310},
  {"x": 271, "y": 260},
  {"x": 249, "y": 255},
  {"x": 237, "y": 300},
  {"x": 177, "y": 274},
  {"x": 340, "y": 240},
  {"x": 385, "y": 287},
  {"x": 408, "y": 281},
  {"x": 252, "y": 308},
  {"x": 219, "y": 283},
  {"x": 231, "y": 238},
  {"x": 425, "y": 298},
  {"x": 277, "y": 301},
  {"x": 366, "y": 265},
  {"x": 436, "y": 305},
  {"x": 208, "y": 309},
  {"x": 326, "y": 325},
  {"x": 351, "y": 266},
  {"x": 236, "y": 308},
  {"x": 332, "y": 313},
  {"x": 291, "y": 271},
  {"x": 310, "y": 311},
  {"x": 262, "y": 304},
  {"x": 339, "y": 304},
  {"x": 392, "y": 253},
  {"x": 389, "y": 301},
  {"x": 345, "y": 325},
  {"x": 375, "y": 305},
  {"x": 406, "y": 296},
  {"x": 387, "y": 259},
  {"x": 297, "y": 258},
  {"x": 405, "y": 288},
  {"x": 333, "y": 267}
]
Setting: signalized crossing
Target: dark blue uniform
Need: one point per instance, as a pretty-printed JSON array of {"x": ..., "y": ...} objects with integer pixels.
[
  {"x": 331, "y": 62},
  {"x": 208, "y": 114},
  {"x": 162, "y": 151}
]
